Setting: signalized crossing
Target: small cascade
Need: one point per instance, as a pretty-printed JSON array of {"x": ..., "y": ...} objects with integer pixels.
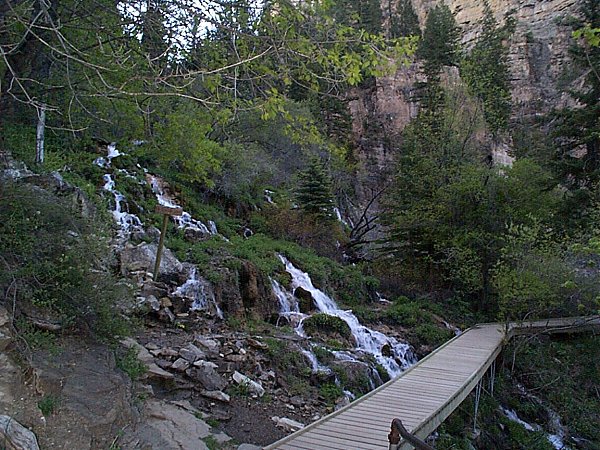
[
  {"x": 113, "y": 152},
  {"x": 340, "y": 218},
  {"x": 394, "y": 356},
  {"x": 557, "y": 440},
  {"x": 128, "y": 223},
  {"x": 316, "y": 366},
  {"x": 185, "y": 220},
  {"x": 200, "y": 292},
  {"x": 269, "y": 196}
]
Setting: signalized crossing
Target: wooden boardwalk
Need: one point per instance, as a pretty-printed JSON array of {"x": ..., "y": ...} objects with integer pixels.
[{"x": 424, "y": 395}]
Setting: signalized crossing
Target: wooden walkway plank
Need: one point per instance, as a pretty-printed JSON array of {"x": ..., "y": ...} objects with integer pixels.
[{"x": 425, "y": 394}]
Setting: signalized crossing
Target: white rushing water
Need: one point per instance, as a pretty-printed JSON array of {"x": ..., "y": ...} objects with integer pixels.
[
  {"x": 557, "y": 440},
  {"x": 200, "y": 292},
  {"x": 185, "y": 220},
  {"x": 128, "y": 222},
  {"x": 394, "y": 356}
]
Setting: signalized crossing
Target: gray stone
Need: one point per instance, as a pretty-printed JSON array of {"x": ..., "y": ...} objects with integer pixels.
[
  {"x": 180, "y": 365},
  {"x": 248, "y": 447},
  {"x": 216, "y": 395},
  {"x": 14, "y": 436},
  {"x": 142, "y": 257},
  {"x": 5, "y": 341},
  {"x": 287, "y": 424},
  {"x": 207, "y": 377},
  {"x": 166, "y": 426},
  {"x": 255, "y": 388},
  {"x": 191, "y": 353},
  {"x": 211, "y": 345}
]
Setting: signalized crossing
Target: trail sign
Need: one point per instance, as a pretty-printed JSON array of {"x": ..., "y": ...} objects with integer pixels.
[{"x": 166, "y": 211}]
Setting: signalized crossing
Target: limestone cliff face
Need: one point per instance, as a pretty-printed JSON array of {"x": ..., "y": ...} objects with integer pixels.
[
  {"x": 539, "y": 62},
  {"x": 539, "y": 49},
  {"x": 541, "y": 73}
]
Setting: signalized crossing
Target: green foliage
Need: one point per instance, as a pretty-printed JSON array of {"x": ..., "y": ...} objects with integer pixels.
[
  {"x": 314, "y": 191},
  {"x": 404, "y": 21},
  {"x": 51, "y": 252},
  {"x": 485, "y": 70},
  {"x": 330, "y": 392},
  {"x": 183, "y": 145},
  {"x": 576, "y": 130},
  {"x": 432, "y": 335},
  {"x": 325, "y": 323},
  {"x": 130, "y": 364},
  {"x": 440, "y": 44},
  {"x": 48, "y": 404}
]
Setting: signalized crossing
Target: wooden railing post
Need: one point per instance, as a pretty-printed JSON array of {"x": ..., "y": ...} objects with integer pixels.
[{"x": 398, "y": 430}]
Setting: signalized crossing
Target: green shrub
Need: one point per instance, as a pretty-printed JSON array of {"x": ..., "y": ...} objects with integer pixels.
[
  {"x": 48, "y": 404},
  {"x": 130, "y": 364},
  {"x": 324, "y": 323},
  {"x": 431, "y": 334},
  {"x": 330, "y": 392},
  {"x": 56, "y": 259}
]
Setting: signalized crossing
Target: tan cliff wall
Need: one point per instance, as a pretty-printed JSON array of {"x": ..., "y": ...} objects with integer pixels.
[{"x": 541, "y": 73}]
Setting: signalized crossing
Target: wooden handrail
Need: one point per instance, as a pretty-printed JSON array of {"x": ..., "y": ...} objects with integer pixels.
[{"x": 398, "y": 430}]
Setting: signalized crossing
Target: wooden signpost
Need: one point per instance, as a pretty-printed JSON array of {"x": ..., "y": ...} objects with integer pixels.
[{"x": 166, "y": 211}]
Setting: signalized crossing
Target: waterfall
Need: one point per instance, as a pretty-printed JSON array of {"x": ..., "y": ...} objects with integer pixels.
[
  {"x": 200, "y": 292},
  {"x": 557, "y": 440},
  {"x": 185, "y": 220},
  {"x": 398, "y": 356},
  {"x": 128, "y": 223}
]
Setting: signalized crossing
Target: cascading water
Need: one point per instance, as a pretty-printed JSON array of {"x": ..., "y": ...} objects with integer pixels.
[
  {"x": 128, "y": 223},
  {"x": 185, "y": 220},
  {"x": 394, "y": 356},
  {"x": 200, "y": 292},
  {"x": 557, "y": 440}
]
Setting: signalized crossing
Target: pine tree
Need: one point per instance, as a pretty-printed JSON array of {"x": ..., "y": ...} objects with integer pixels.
[
  {"x": 404, "y": 22},
  {"x": 579, "y": 128},
  {"x": 440, "y": 44},
  {"x": 486, "y": 71},
  {"x": 314, "y": 193}
]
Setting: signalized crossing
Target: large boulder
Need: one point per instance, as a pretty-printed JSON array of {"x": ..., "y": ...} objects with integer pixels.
[
  {"x": 14, "y": 436},
  {"x": 142, "y": 257}
]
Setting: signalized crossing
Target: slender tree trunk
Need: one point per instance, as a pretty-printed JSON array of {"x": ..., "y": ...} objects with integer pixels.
[{"x": 40, "y": 133}]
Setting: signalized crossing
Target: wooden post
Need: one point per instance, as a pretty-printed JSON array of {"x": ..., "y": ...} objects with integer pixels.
[{"x": 166, "y": 211}]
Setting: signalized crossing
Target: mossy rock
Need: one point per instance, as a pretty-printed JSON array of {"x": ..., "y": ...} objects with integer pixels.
[{"x": 326, "y": 327}]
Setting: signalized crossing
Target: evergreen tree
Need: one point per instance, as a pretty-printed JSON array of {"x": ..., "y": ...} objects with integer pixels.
[
  {"x": 579, "y": 128},
  {"x": 360, "y": 14},
  {"x": 440, "y": 43},
  {"x": 404, "y": 22},
  {"x": 486, "y": 71},
  {"x": 314, "y": 194}
]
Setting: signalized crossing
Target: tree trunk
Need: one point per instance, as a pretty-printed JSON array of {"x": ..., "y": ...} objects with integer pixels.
[{"x": 40, "y": 132}]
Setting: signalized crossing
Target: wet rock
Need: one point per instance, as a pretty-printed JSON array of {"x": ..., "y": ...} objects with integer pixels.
[
  {"x": 254, "y": 387},
  {"x": 216, "y": 395},
  {"x": 143, "y": 256},
  {"x": 305, "y": 300},
  {"x": 287, "y": 424},
  {"x": 14, "y": 436},
  {"x": 208, "y": 377},
  {"x": 191, "y": 353},
  {"x": 195, "y": 235},
  {"x": 156, "y": 288}
]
